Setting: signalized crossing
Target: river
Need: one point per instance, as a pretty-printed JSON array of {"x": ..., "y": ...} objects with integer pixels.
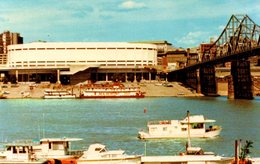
[{"x": 116, "y": 122}]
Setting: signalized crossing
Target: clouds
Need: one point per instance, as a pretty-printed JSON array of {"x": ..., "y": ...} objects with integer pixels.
[
  {"x": 184, "y": 22},
  {"x": 131, "y": 5},
  {"x": 192, "y": 38}
]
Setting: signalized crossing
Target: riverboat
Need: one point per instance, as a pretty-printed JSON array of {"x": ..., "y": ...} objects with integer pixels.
[
  {"x": 36, "y": 152},
  {"x": 99, "y": 154},
  {"x": 58, "y": 94},
  {"x": 179, "y": 128},
  {"x": 115, "y": 90},
  {"x": 192, "y": 155}
]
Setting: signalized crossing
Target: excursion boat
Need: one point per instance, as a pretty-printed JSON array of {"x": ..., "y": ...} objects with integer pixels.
[
  {"x": 179, "y": 128},
  {"x": 58, "y": 94},
  {"x": 99, "y": 154},
  {"x": 191, "y": 155},
  {"x": 115, "y": 90}
]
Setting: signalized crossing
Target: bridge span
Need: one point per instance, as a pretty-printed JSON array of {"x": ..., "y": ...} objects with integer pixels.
[{"x": 239, "y": 40}]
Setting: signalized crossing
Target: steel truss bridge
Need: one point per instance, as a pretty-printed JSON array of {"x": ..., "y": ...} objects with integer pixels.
[{"x": 239, "y": 40}]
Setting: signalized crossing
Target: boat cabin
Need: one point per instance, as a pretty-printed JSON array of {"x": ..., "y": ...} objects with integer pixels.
[
  {"x": 55, "y": 147},
  {"x": 179, "y": 128},
  {"x": 18, "y": 151}
]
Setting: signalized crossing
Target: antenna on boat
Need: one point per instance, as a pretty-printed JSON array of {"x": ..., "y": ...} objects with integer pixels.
[
  {"x": 188, "y": 116},
  {"x": 43, "y": 129},
  {"x": 144, "y": 148}
]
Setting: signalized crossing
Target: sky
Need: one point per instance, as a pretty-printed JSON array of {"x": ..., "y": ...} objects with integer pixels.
[{"x": 184, "y": 23}]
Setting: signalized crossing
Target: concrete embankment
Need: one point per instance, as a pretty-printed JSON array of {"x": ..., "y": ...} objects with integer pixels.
[{"x": 151, "y": 89}]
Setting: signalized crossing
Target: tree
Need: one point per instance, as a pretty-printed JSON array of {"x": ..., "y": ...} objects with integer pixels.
[{"x": 245, "y": 150}]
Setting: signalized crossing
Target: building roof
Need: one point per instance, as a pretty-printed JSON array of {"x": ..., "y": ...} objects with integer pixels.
[
  {"x": 155, "y": 42},
  {"x": 82, "y": 44}
]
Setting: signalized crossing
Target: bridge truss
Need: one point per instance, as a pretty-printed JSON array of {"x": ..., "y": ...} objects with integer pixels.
[{"x": 240, "y": 35}]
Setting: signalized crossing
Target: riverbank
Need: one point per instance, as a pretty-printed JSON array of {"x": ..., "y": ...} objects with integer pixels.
[{"x": 151, "y": 89}]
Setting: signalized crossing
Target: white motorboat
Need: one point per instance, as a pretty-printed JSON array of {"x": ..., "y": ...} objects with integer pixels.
[
  {"x": 179, "y": 128},
  {"x": 192, "y": 155},
  {"x": 58, "y": 94},
  {"x": 98, "y": 154}
]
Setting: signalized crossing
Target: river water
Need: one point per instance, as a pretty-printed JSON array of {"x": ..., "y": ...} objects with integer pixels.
[{"x": 116, "y": 122}]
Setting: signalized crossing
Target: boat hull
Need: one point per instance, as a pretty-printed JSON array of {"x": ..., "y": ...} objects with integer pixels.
[
  {"x": 60, "y": 97},
  {"x": 21, "y": 162},
  {"x": 211, "y": 134},
  {"x": 127, "y": 160},
  {"x": 201, "y": 159},
  {"x": 94, "y": 97}
]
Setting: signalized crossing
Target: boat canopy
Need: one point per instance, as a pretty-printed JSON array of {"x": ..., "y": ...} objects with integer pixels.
[
  {"x": 60, "y": 139},
  {"x": 96, "y": 147},
  {"x": 197, "y": 119},
  {"x": 100, "y": 148}
]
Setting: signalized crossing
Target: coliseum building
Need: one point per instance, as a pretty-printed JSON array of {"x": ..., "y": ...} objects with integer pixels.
[{"x": 75, "y": 62}]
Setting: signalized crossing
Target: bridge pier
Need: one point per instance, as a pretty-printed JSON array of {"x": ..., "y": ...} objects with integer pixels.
[
  {"x": 240, "y": 81},
  {"x": 192, "y": 80},
  {"x": 208, "y": 81}
]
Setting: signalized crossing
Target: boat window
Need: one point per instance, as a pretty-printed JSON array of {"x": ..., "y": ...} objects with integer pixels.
[
  {"x": 183, "y": 129},
  {"x": 97, "y": 149},
  {"x": 22, "y": 150},
  {"x": 103, "y": 150},
  {"x": 197, "y": 126},
  {"x": 9, "y": 148},
  {"x": 14, "y": 150}
]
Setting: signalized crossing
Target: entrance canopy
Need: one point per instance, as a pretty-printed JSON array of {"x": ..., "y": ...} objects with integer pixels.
[{"x": 73, "y": 69}]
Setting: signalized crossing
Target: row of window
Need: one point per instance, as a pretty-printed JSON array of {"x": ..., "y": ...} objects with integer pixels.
[
  {"x": 82, "y": 48},
  {"x": 90, "y": 61},
  {"x": 66, "y": 63},
  {"x": 63, "y": 65}
]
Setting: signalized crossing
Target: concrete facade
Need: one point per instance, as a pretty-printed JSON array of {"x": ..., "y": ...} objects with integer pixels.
[{"x": 63, "y": 61}]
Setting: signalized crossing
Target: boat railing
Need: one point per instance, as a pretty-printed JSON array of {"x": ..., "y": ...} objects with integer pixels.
[
  {"x": 76, "y": 153},
  {"x": 162, "y": 122}
]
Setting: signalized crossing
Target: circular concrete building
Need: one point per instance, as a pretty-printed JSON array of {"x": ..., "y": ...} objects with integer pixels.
[{"x": 74, "y": 62}]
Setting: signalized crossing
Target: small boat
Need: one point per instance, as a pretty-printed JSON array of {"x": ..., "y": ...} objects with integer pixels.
[
  {"x": 2, "y": 96},
  {"x": 191, "y": 155},
  {"x": 194, "y": 158},
  {"x": 115, "y": 90},
  {"x": 19, "y": 153},
  {"x": 58, "y": 94},
  {"x": 179, "y": 128},
  {"x": 98, "y": 153},
  {"x": 35, "y": 152}
]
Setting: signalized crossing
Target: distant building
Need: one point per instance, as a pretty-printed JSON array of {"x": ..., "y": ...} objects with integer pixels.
[{"x": 8, "y": 38}]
